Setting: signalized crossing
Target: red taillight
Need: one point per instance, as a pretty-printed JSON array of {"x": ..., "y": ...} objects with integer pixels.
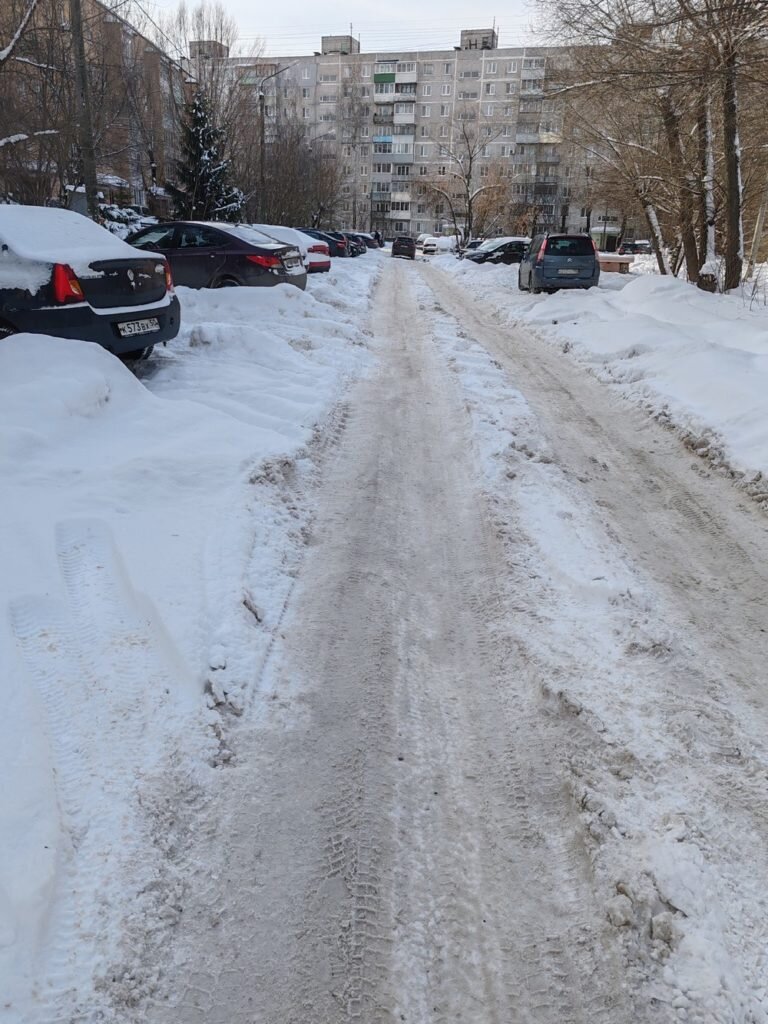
[
  {"x": 168, "y": 278},
  {"x": 66, "y": 287},
  {"x": 341, "y": 244},
  {"x": 264, "y": 261},
  {"x": 320, "y": 247},
  {"x": 542, "y": 250}
]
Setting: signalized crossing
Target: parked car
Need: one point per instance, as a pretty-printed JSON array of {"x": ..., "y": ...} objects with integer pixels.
[
  {"x": 354, "y": 247},
  {"x": 314, "y": 253},
  {"x": 429, "y": 246},
  {"x": 368, "y": 238},
  {"x": 336, "y": 246},
  {"x": 63, "y": 274},
  {"x": 213, "y": 255},
  {"x": 404, "y": 245},
  {"x": 358, "y": 239},
  {"x": 420, "y": 238},
  {"x": 471, "y": 245},
  {"x": 499, "y": 250},
  {"x": 559, "y": 261},
  {"x": 627, "y": 248}
]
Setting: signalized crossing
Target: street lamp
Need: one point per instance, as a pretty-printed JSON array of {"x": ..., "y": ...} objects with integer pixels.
[{"x": 262, "y": 137}]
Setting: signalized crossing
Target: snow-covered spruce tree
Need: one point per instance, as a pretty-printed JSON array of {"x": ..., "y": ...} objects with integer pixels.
[{"x": 203, "y": 190}]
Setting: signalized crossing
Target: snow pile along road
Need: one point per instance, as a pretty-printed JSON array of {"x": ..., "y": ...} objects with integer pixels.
[
  {"x": 130, "y": 514},
  {"x": 698, "y": 362}
]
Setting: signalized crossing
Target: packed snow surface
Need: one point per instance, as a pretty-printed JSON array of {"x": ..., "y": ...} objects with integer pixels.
[{"x": 128, "y": 516}]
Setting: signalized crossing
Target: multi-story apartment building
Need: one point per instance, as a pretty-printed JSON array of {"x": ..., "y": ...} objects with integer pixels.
[{"x": 394, "y": 120}]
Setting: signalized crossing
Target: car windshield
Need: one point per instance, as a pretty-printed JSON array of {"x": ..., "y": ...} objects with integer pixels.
[
  {"x": 492, "y": 243},
  {"x": 570, "y": 245}
]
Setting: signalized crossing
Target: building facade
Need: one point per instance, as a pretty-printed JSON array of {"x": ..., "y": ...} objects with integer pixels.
[{"x": 397, "y": 120}]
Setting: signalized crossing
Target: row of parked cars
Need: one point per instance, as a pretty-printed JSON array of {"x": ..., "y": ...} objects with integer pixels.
[{"x": 63, "y": 274}]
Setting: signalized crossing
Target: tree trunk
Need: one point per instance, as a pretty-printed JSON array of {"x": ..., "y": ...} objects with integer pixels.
[
  {"x": 655, "y": 232},
  {"x": 685, "y": 196},
  {"x": 734, "y": 248}
]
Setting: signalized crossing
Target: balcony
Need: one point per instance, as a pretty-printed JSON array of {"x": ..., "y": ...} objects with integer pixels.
[
  {"x": 409, "y": 118},
  {"x": 382, "y": 138},
  {"x": 407, "y": 76},
  {"x": 383, "y": 118}
]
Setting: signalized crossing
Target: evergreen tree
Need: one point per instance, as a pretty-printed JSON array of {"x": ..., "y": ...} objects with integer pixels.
[{"x": 203, "y": 190}]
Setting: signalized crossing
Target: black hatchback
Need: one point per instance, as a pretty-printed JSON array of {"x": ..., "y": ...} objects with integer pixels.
[
  {"x": 213, "y": 255},
  {"x": 63, "y": 274},
  {"x": 404, "y": 245}
]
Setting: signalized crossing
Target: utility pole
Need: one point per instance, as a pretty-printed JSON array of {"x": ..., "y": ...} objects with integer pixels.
[
  {"x": 263, "y": 140},
  {"x": 85, "y": 120}
]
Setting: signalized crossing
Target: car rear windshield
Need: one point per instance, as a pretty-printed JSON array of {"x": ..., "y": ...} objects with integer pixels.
[{"x": 570, "y": 245}]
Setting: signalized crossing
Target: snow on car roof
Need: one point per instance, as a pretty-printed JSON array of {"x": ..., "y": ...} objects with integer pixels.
[{"x": 50, "y": 235}]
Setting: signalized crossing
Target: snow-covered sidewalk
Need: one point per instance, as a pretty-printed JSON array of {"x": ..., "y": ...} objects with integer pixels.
[
  {"x": 697, "y": 362},
  {"x": 146, "y": 558}
]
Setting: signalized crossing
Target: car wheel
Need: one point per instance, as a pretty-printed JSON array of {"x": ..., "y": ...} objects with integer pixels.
[
  {"x": 520, "y": 282},
  {"x": 227, "y": 282},
  {"x": 535, "y": 289},
  {"x": 137, "y": 354},
  {"x": 6, "y": 331}
]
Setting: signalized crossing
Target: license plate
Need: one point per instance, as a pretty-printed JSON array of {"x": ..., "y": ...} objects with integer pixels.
[
  {"x": 567, "y": 271},
  {"x": 139, "y": 327}
]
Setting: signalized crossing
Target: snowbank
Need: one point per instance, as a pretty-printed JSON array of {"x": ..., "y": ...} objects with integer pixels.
[
  {"x": 696, "y": 361},
  {"x": 132, "y": 510}
]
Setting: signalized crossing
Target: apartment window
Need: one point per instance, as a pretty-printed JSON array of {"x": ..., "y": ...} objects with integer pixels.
[
  {"x": 445, "y": 109},
  {"x": 327, "y": 117},
  {"x": 448, "y": 68},
  {"x": 510, "y": 88},
  {"x": 382, "y": 147},
  {"x": 428, "y": 69},
  {"x": 506, "y": 150},
  {"x": 364, "y": 131},
  {"x": 424, "y": 131},
  {"x": 347, "y": 151},
  {"x": 365, "y": 91},
  {"x": 511, "y": 67},
  {"x": 365, "y": 71},
  {"x": 400, "y": 205},
  {"x": 327, "y": 98},
  {"x": 327, "y": 77},
  {"x": 406, "y": 66},
  {"x": 402, "y": 148},
  {"x": 442, "y": 170},
  {"x": 533, "y": 62},
  {"x": 346, "y": 170},
  {"x": 531, "y": 85},
  {"x": 488, "y": 109},
  {"x": 305, "y": 94},
  {"x": 548, "y": 106},
  {"x": 484, "y": 168},
  {"x": 305, "y": 72},
  {"x": 490, "y": 88},
  {"x": 363, "y": 170},
  {"x": 506, "y": 131},
  {"x": 490, "y": 67},
  {"x": 426, "y": 90},
  {"x": 445, "y": 90},
  {"x": 426, "y": 110},
  {"x": 423, "y": 170},
  {"x": 364, "y": 150},
  {"x": 345, "y": 189},
  {"x": 385, "y": 88},
  {"x": 487, "y": 131},
  {"x": 402, "y": 170},
  {"x": 509, "y": 111},
  {"x": 386, "y": 68},
  {"x": 382, "y": 169},
  {"x": 423, "y": 150},
  {"x": 403, "y": 108},
  {"x": 443, "y": 131},
  {"x": 305, "y": 112}
]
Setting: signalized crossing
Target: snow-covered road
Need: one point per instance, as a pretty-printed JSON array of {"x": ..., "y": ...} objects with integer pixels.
[
  {"x": 507, "y": 758},
  {"x": 373, "y": 660}
]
